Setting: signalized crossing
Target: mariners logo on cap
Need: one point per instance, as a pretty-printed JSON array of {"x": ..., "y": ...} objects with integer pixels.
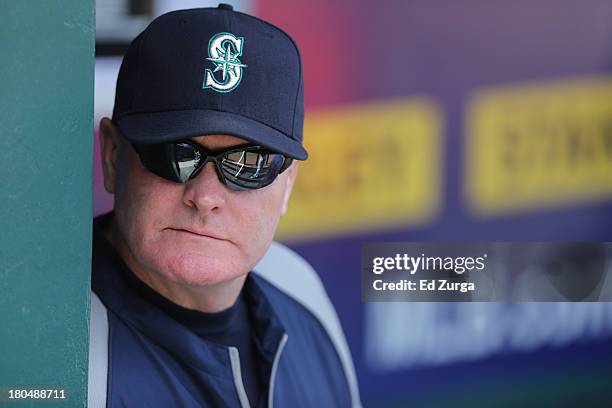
[{"x": 223, "y": 51}]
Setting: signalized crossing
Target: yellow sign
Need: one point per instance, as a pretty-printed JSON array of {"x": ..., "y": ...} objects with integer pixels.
[
  {"x": 370, "y": 166},
  {"x": 539, "y": 146}
]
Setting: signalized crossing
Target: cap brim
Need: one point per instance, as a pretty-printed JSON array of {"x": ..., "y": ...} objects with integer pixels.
[{"x": 157, "y": 127}]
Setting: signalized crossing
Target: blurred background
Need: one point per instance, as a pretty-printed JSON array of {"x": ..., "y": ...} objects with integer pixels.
[{"x": 441, "y": 120}]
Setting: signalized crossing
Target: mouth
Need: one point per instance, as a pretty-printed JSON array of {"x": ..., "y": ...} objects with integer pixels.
[{"x": 201, "y": 234}]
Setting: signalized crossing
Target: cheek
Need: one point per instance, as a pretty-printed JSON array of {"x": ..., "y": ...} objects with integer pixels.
[
  {"x": 142, "y": 203},
  {"x": 259, "y": 214}
]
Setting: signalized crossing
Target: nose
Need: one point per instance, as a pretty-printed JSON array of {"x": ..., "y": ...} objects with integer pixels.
[{"x": 205, "y": 192}]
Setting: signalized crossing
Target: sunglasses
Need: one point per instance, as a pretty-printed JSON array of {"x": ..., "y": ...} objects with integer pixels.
[{"x": 239, "y": 168}]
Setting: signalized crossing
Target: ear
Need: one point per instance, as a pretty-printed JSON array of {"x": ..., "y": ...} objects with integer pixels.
[
  {"x": 109, "y": 148},
  {"x": 291, "y": 175}
]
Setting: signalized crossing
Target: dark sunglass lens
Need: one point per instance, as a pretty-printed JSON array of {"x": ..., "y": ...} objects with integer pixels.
[
  {"x": 171, "y": 161},
  {"x": 250, "y": 168},
  {"x": 184, "y": 159}
]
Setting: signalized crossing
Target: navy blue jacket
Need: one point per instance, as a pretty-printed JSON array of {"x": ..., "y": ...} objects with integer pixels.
[{"x": 154, "y": 361}]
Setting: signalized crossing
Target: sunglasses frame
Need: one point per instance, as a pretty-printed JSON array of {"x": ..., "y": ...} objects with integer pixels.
[{"x": 214, "y": 155}]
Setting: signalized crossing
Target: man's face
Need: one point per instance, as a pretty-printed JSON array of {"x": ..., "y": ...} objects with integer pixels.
[{"x": 198, "y": 233}]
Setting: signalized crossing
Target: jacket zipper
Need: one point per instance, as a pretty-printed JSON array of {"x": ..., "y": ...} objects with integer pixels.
[
  {"x": 237, "y": 374},
  {"x": 234, "y": 356},
  {"x": 279, "y": 350}
]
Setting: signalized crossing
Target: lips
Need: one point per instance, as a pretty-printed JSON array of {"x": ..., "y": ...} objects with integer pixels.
[{"x": 201, "y": 233}]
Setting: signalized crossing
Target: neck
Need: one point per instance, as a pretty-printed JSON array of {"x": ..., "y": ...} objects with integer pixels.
[{"x": 208, "y": 299}]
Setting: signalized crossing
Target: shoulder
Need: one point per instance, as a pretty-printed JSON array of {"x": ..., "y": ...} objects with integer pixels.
[
  {"x": 295, "y": 289},
  {"x": 291, "y": 282},
  {"x": 289, "y": 278}
]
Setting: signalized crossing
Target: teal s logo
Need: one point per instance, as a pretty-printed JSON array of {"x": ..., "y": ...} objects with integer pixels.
[{"x": 223, "y": 51}]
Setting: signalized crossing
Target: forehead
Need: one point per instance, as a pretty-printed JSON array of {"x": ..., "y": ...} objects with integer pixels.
[{"x": 219, "y": 141}]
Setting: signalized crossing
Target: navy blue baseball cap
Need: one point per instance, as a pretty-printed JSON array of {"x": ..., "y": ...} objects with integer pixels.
[{"x": 212, "y": 71}]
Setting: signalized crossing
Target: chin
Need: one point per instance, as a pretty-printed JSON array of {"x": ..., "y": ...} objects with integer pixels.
[{"x": 200, "y": 270}]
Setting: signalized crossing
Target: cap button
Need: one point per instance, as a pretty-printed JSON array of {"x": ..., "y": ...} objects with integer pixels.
[{"x": 224, "y": 6}]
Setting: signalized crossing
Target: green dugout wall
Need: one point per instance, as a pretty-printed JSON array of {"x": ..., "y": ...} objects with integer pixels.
[{"x": 46, "y": 154}]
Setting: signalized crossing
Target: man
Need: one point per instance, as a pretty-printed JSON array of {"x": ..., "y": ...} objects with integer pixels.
[{"x": 201, "y": 155}]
